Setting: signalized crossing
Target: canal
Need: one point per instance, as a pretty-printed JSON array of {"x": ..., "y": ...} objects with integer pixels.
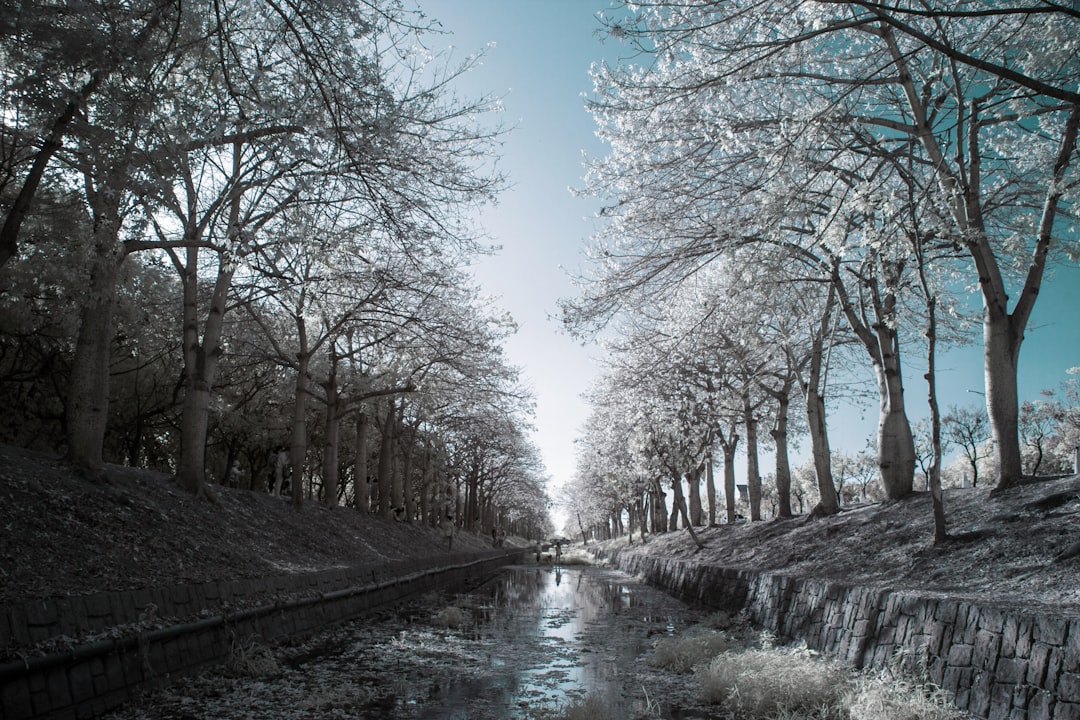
[{"x": 524, "y": 645}]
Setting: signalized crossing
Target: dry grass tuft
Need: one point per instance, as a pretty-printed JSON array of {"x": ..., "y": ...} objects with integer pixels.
[
  {"x": 683, "y": 654},
  {"x": 760, "y": 683},
  {"x": 250, "y": 658},
  {"x": 901, "y": 691},
  {"x": 880, "y": 698},
  {"x": 451, "y": 617}
]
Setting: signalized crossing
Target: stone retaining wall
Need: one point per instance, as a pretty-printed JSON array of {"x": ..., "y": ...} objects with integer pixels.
[
  {"x": 100, "y": 673},
  {"x": 997, "y": 663}
]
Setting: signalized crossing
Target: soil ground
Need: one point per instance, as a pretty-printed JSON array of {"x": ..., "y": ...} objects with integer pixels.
[{"x": 61, "y": 534}]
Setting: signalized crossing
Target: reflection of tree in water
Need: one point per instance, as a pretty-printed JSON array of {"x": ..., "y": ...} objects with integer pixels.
[{"x": 539, "y": 638}]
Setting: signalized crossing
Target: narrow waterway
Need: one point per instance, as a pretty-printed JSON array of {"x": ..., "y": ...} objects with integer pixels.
[{"x": 521, "y": 646}]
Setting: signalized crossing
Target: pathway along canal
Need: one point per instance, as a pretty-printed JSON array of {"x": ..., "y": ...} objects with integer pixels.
[{"x": 521, "y": 646}]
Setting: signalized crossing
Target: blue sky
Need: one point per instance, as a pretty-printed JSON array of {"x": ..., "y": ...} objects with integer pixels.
[{"x": 539, "y": 62}]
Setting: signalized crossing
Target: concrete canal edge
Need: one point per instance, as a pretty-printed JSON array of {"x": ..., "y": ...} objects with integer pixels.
[
  {"x": 129, "y": 648},
  {"x": 999, "y": 663}
]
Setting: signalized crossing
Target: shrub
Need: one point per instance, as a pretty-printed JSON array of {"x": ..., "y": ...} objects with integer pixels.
[
  {"x": 901, "y": 691},
  {"x": 587, "y": 708},
  {"x": 757, "y": 683},
  {"x": 880, "y": 698},
  {"x": 250, "y": 658},
  {"x": 451, "y": 617},
  {"x": 683, "y": 654}
]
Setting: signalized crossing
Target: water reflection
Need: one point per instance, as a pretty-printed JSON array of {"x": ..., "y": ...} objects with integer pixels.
[
  {"x": 550, "y": 635},
  {"x": 525, "y": 643}
]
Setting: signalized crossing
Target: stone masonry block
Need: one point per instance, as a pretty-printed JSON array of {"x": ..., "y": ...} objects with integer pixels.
[
  {"x": 959, "y": 684},
  {"x": 935, "y": 670},
  {"x": 212, "y": 592},
  {"x": 1009, "y": 633},
  {"x": 180, "y": 595},
  {"x": 960, "y": 655},
  {"x": 940, "y": 638},
  {"x": 81, "y": 682},
  {"x": 1037, "y": 664},
  {"x": 1071, "y": 661},
  {"x": 59, "y": 691},
  {"x": 41, "y": 702},
  {"x": 1053, "y": 669},
  {"x": 987, "y": 645},
  {"x": 118, "y": 610},
  {"x": 97, "y": 605},
  {"x": 1024, "y": 637},
  {"x": 1066, "y": 711},
  {"x": 1001, "y": 696},
  {"x": 163, "y": 599},
  {"x": 980, "y": 694},
  {"x": 20, "y": 628},
  {"x": 1010, "y": 670},
  {"x": 991, "y": 620},
  {"x": 15, "y": 699},
  {"x": 1039, "y": 704},
  {"x": 1050, "y": 630},
  {"x": 98, "y": 673},
  {"x": 1069, "y": 687},
  {"x": 945, "y": 611},
  {"x": 114, "y": 672},
  {"x": 40, "y": 633},
  {"x": 72, "y": 615},
  {"x": 42, "y": 612}
]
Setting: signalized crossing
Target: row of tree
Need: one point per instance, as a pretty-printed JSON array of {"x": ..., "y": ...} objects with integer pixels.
[
  {"x": 235, "y": 225},
  {"x": 798, "y": 186}
]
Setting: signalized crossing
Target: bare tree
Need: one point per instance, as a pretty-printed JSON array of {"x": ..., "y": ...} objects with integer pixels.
[{"x": 968, "y": 429}]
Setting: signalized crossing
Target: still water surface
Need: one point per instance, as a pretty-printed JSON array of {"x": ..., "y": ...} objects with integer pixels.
[
  {"x": 554, "y": 634},
  {"x": 531, "y": 640}
]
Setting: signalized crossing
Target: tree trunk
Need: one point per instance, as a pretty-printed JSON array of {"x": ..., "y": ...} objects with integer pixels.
[
  {"x": 896, "y": 445},
  {"x": 427, "y": 482},
  {"x": 693, "y": 484},
  {"x": 1001, "y": 350},
  {"x": 728, "y": 445},
  {"x": 406, "y": 476},
  {"x": 753, "y": 472},
  {"x": 678, "y": 503},
  {"x": 710, "y": 488},
  {"x": 783, "y": 465},
  {"x": 298, "y": 441},
  {"x": 934, "y": 478},
  {"x": 639, "y": 508},
  {"x": 386, "y": 448},
  {"x": 201, "y": 359},
  {"x": 659, "y": 508},
  {"x": 87, "y": 411},
  {"x": 332, "y": 440},
  {"x": 815, "y": 413},
  {"x": 361, "y": 489},
  {"x": 397, "y": 484}
]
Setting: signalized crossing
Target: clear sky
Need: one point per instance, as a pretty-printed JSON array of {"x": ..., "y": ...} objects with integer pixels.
[{"x": 538, "y": 60}]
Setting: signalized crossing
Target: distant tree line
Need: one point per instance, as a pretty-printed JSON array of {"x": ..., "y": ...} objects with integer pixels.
[{"x": 239, "y": 225}]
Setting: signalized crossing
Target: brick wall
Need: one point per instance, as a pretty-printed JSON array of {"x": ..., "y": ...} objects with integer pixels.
[
  {"x": 1000, "y": 663},
  {"x": 99, "y": 672}
]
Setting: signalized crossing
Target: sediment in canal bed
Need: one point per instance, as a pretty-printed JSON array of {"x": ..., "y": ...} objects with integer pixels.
[
  {"x": 996, "y": 662},
  {"x": 134, "y": 648}
]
